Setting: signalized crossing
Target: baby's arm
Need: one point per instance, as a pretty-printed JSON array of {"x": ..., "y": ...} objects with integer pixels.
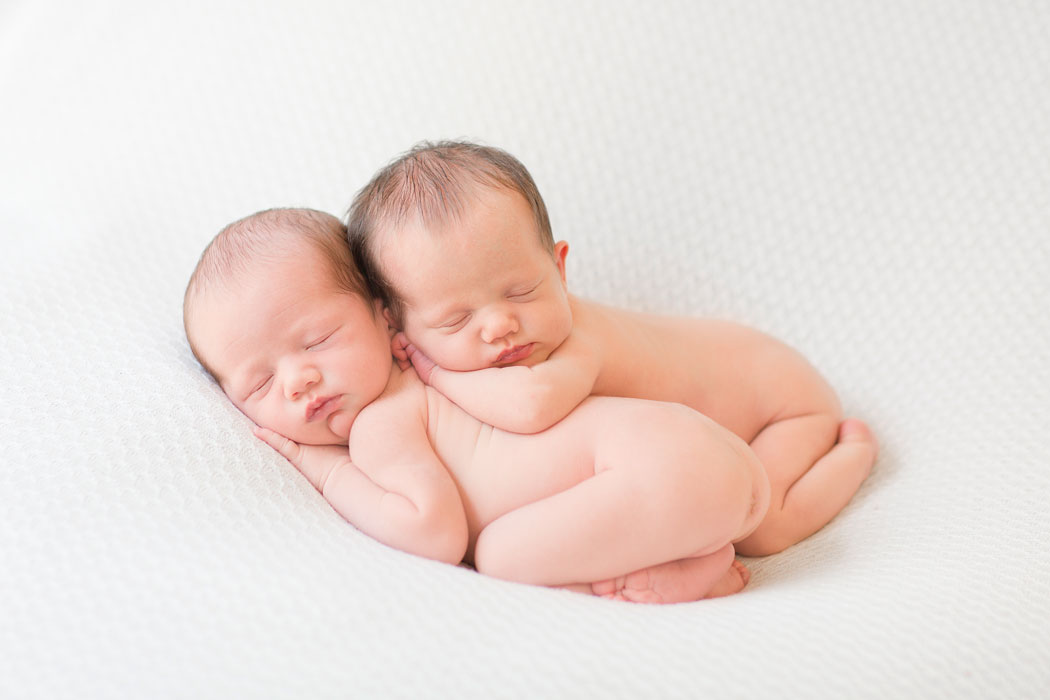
[
  {"x": 517, "y": 399},
  {"x": 409, "y": 502}
]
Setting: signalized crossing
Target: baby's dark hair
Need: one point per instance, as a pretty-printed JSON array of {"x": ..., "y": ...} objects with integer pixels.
[
  {"x": 432, "y": 181},
  {"x": 272, "y": 234}
]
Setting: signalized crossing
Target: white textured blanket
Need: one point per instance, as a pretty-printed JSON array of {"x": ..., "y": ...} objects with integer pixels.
[{"x": 867, "y": 180}]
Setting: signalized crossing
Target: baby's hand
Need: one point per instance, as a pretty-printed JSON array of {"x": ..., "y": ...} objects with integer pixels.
[
  {"x": 423, "y": 364},
  {"x": 316, "y": 462},
  {"x": 399, "y": 346}
]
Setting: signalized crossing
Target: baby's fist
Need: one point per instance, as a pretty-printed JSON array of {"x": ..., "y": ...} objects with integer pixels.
[
  {"x": 408, "y": 355},
  {"x": 424, "y": 365},
  {"x": 399, "y": 346}
]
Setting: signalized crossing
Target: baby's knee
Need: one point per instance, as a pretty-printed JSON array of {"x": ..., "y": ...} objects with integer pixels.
[{"x": 729, "y": 479}]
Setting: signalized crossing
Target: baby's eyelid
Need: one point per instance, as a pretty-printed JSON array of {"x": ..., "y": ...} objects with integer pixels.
[
  {"x": 320, "y": 340},
  {"x": 258, "y": 387},
  {"x": 524, "y": 292},
  {"x": 457, "y": 321}
]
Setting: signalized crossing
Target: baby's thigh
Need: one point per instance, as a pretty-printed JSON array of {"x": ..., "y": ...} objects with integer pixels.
[{"x": 680, "y": 463}]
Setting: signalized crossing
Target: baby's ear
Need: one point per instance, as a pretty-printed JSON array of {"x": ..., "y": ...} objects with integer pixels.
[
  {"x": 388, "y": 317},
  {"x": 561, "y": 251}
]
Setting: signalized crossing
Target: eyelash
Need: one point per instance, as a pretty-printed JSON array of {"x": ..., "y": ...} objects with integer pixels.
[
  {"x": 460, "y": 322},
  {"x": 523, "y": 294},
  {"x": 457, "y": 324},
  {"x": 259, "y": 387},
  {"x": 263, "y": 383},
  {"x": 319, "y": 341}
]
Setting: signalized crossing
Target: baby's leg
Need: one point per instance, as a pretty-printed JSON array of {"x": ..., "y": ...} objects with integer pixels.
[
  {"x": 815, "y": 465},
  {"x": 686, "y": 491},
  {"x": 680, "y": 581}
]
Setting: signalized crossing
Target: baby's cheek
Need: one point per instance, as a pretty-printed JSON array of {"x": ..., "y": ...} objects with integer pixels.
[
  {"x": 559, "y": 328},
  {"x": 454, "y": 352},
  {"x": 253, "y": 415}
]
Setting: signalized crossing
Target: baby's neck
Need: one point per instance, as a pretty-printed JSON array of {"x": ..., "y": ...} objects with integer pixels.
[{"x": 396, "y": 379}]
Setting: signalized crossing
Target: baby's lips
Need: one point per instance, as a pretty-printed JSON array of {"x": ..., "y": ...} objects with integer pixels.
[
  {"x": 516, "y": 353},
  {"x": 316, "y": 406}
]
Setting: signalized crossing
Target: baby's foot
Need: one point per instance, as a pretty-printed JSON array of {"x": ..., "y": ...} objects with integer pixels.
[
  {"x": 678, "y": 581},
  {"x": 732, "y": 582}
]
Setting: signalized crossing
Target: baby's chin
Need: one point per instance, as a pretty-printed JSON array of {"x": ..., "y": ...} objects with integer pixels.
[{"x": 339, "y": 424}]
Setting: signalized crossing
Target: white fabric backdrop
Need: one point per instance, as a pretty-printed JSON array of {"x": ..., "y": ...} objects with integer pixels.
[{"x": 868, "y": 181}]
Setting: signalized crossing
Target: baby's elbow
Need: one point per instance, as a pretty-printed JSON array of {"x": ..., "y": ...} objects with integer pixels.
[
  {"x": 445, "y": 535},
  {"x": 449, "y": 548},
  {"x": 529, "y": 422},
  {"x": 537, "y": 411}
]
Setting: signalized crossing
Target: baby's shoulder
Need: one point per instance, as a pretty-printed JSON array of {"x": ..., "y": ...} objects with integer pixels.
[{"x": 403, "y": 401}]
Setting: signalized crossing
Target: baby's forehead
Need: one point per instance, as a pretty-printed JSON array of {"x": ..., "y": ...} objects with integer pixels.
[
  {"x": 451, "y": 219},
  {"x": 239, "y": 299},
  {"x": 241, "y": 325}
]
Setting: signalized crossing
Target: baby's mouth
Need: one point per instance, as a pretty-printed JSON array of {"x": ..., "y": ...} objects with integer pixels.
[
  {"x": 320, "y": 407},
  {"x": 515, "y": 354}
]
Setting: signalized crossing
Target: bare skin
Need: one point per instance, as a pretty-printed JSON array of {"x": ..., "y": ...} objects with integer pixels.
[
  {"x": 617, "y": 486},
  {"x": 575, "y": 503},
  {"x": 488, "y": 321},
  {"x": 678, "y": 581}
]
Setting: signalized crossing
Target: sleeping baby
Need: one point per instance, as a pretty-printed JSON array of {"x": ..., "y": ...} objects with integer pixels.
[
  {"x": 455, "y": 239},
  {"x": 622, "y": 497}
]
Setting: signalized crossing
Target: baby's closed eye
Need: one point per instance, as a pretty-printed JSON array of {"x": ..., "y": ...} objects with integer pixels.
[
  {"x": 523, "y": 294},
  {"x": 260, "y": 387},
  {"x": 456, "y": 323},
  {"x": 317, "y": 342}
]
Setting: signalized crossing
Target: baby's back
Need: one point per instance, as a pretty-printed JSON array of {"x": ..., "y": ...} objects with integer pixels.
[{"x": 741, "y": 378}]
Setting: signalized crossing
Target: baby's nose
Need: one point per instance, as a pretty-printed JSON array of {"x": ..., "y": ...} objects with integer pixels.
[
  {"x": 300, "y": 381},
  {"x": 498, "y": 325}
]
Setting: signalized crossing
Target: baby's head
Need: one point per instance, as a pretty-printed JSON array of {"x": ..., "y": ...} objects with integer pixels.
[
  {"x": 455, "y": 239},
  {"x": 279, "y": 315}
]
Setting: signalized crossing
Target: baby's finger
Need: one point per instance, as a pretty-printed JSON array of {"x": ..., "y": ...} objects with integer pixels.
[
  {"x": 287, "y": 448},
  {"x": 398, "y": 345},
  {"x": 423, "y": 364}
]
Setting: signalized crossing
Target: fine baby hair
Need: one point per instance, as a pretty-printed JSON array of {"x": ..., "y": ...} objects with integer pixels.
[
  {"x": 433, "y": 182},
  {"x": 271, "y": 234}
]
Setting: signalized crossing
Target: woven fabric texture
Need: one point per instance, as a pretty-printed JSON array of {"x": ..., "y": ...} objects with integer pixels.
[{"x": 868, "y": 181}]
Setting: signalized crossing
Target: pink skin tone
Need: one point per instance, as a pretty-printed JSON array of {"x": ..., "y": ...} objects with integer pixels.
[
  {"x": 631, "y": 500},
  {"x": 482, "y": 286}
]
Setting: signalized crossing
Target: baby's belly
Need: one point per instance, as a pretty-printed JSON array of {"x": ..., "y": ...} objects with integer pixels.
[{"x": 497, "y": 471}]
